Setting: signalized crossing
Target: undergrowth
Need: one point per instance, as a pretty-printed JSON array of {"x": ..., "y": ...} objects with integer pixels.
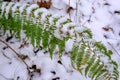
[{"x": 50, "y": 31}]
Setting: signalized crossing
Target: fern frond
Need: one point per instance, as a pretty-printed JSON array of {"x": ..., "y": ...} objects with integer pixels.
[
  {"x": 38, "y": 36},
  {"x": 88, "y": 33},
  {"x": 52, "y": 45},
  {"x": 102, "y": 48},
  {"x": 45, "y": 39},
  {"x": 90, "y": 63},
  {"x": 90, "y": 58}
]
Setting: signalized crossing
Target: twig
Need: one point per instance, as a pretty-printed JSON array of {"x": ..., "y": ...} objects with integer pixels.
[
  {"x": 113, "y": 48},
  {"x": 69, "y": 12},
  {"x": 6, "y": 56},
  {"x": 19, "y": 56},
  {"x": 76, "y": 13}
]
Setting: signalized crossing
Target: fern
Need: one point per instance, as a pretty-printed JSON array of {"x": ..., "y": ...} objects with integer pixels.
[
  {"x": 88, "y": 32},
  {"x": 73, "y": 55},
  {"x": 91, "y": 61},
  {"x": 45, "y": 39},
  {"x": 40, "y": 26},
  {"x": 38, "y": 35},
  {"x": 5, "y": 23},
  {"x": 52, "y": 45},
  {"x": 99, "y": 68},
  {"x": 18, "y": 24}
]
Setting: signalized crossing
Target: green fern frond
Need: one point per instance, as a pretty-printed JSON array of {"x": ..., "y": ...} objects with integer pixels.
[
  {"x": 99, "y": 68},
  {"x": 61, "y": 44},
  {"x": 73, "y": 54},
  {"x": 87, "y": 55},
  {"x": 52, "y": 45},
  {"x": 88, "y": 32},
  {"x": 102, "y": 48},
  {"x": 38, "y": 36},
  {"x": 45, "y": 39},
  {"x": 90, "y": 63}
]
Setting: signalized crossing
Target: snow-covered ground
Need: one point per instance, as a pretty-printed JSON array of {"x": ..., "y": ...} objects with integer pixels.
[{"x": 101, "y": 16}]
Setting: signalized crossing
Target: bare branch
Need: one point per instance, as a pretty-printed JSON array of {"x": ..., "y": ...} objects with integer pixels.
[{"x": 17, "y": 54}]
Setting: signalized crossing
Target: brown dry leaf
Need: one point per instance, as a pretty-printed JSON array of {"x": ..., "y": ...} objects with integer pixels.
[
  {"x": 107, "y": 29},
  {"x": 69, "y": 9},
  {"x": 44, "y": 4}
]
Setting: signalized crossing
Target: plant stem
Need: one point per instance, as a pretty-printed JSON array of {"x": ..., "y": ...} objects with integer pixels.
[{"x": 19, "y": 56}]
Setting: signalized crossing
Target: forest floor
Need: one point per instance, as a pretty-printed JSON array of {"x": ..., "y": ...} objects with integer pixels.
[{"x": 101, "y": 16}]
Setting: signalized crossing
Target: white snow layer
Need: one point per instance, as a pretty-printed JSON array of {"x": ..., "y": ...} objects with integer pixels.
[{"x": 95, "y": 14}]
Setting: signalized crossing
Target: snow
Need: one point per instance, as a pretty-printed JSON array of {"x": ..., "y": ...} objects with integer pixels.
[
  {"x": 70, "y": 44},
  {"x": 57, "y": 34},
  {"x": 36, "y": 13},
  {"x": 60, "y": 2},
  {"x": 14, "y": 8},
  {"x": 33, "y": 6},
  {"x": 8, "y": 7},
  {"x": 71, "y": 3},
  {"x": 100, "y": 16},
  {"x": 43, "y": 16},
  {"x": 79, "y": 29},
  {"x": 61, "y": 20},
  {"x": 53, "y": 17},
  {"x": 3, "y": 7},
  {"x": 23, "y": 7},
  {"x": 66, "y": 27}
]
